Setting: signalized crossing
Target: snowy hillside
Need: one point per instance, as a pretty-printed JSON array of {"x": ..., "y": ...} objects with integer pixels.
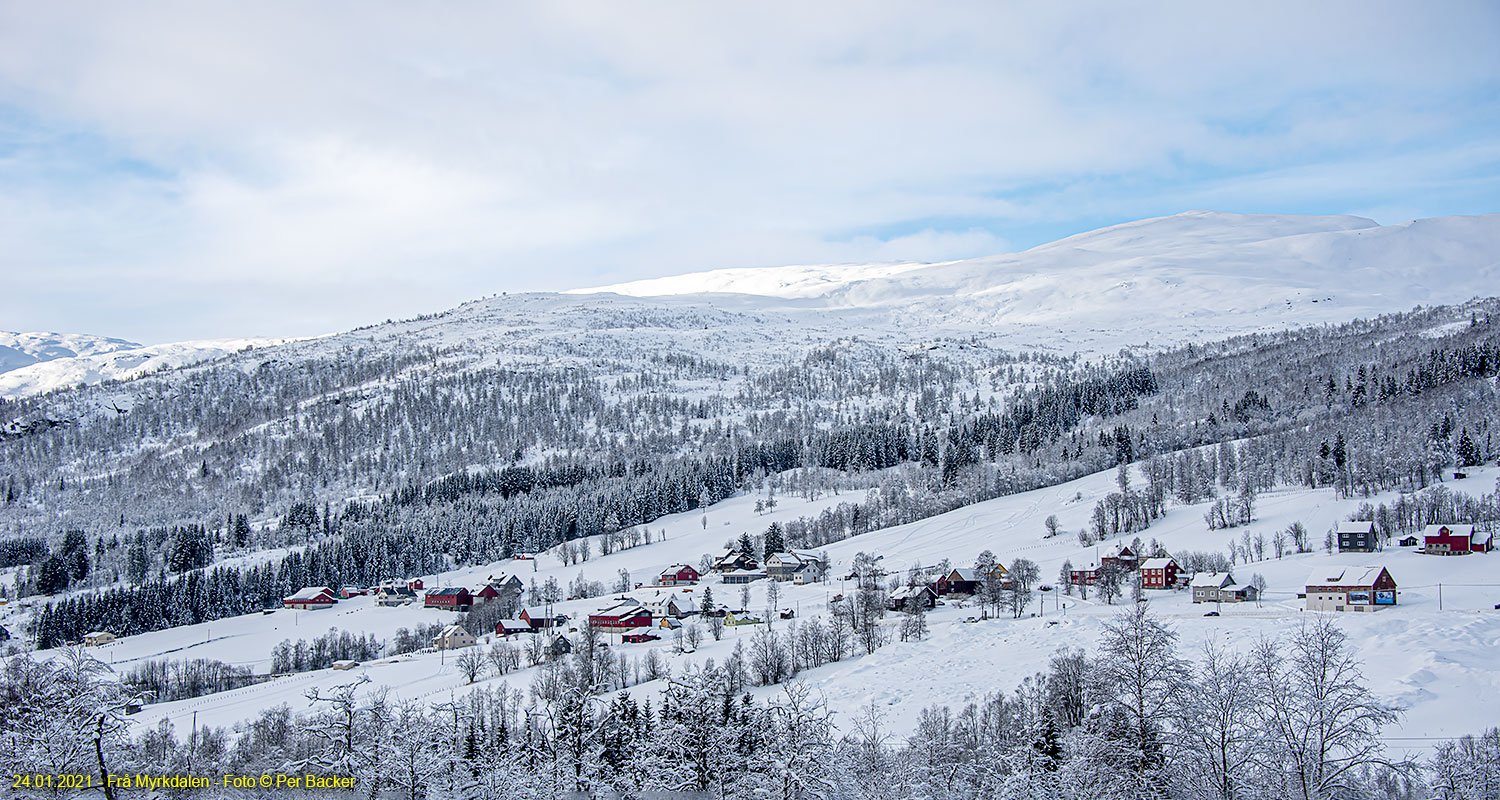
[
  {"x": 19, "y": 350},
  {"x": 1437, "y": 663},
  {"x": 92, "y": 365}
]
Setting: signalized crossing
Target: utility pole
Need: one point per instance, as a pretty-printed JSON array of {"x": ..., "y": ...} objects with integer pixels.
[{"x": 1440, "y": 597}]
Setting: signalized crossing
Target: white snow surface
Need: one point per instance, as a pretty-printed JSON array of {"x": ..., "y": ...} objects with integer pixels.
[
  {"x": 1161, "y": 280},
  {"x": 119, "y": 364},
  {"x": 1438, "y": 664},
  {"x": 24, "y": 349}
]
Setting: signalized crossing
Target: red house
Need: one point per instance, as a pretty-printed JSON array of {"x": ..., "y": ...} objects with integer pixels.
[
  {"x": 1159, "y": 573},
  {"x": 678, "y": 574},
  {"x": 1126, "y": 559},
  {"x": 486, "y": 594},
  {"x": 415, "y": 584},
  {"x": 1452, "y": 540},
  {"x": 538, "y": 619},
  {"x": 622, "y": 617},
  {"x": 455, "y": 598}
]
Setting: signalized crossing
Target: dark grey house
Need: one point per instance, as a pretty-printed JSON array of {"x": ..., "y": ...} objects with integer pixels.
[{"x": 1356, "y": 537}]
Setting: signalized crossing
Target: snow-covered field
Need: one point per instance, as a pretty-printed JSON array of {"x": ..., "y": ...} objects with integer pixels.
[{"x": 1440, "y": 664}]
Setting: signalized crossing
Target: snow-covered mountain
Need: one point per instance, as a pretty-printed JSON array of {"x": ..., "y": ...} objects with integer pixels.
[
  {"x": 118, "y": 364},
  {"x": 1162, "y": 280},
  {"x": 24, "y": 349}
]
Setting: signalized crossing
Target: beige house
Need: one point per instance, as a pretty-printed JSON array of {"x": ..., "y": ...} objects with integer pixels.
[
  {"x": 97, "y": 638},
  {"x": 453, "y": 637}
]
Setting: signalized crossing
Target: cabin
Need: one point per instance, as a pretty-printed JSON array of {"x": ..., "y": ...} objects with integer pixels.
[
  {"x": 678, "y": 575},
  {"x": 539, "y": 619},
  {"x": 415, "y": 584},
  {"x": 961, "y": 580},
  {"x": 1159, "y": 573},
  {"x": 1220, "y": 587},
  {"x": 511, "y": 627},
  {"x": 1410, "y": 541},
  {"x": 345, "y": 664},
  {"x": 453, "y": 637},
  {"x": 734, "y": 560},
  {"x": 394, "y": 596},
  {"x": 1455, "y": 540},
  {"x": 923, "y": 596},
  {"x": 311, "y": 598},
  {"x": 97, "y": 638},
  {"x": 452, "y": 598},
  {"x": 740, "y": 578},
  {"x": 621, "y": 617},
  {"x": 559, "y": 647},
  {"x": 1340, "y": 588},
  {"x": 347, "y": 592},
  {"x": 670, "y": 624},
  {"x": 1356, "y": 536}
]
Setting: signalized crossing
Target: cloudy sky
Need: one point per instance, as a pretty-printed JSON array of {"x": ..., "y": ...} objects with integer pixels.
[{"x": 200, "y": 169}]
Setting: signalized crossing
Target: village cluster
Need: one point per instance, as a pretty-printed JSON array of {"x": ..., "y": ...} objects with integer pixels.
[{"x": 644, "y": 614}]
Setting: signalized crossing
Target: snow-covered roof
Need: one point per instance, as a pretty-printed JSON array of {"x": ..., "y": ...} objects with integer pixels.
[
  {"x": 513, "y": 624},
  {"x": 965, "y": 573},
  {"x": 309, "y": 593},
  {"x": 1341, "y": 575},
  {"x": 1157, "y": 563},
  {"x": 1356, "y": 526},
  {"x": 622, "y": 610},
  {"x": 540, "y": 612},
  {"x": 1456, "y": 530},
  {"x": 1212, "y": 580},
  {"x": 452, "y": 630},
  {"x": 447, "y": 591}
]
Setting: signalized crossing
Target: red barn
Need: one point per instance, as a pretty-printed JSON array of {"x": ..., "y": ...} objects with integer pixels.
[
  {"x": 538, "y": 618},
  {"x": 1450, "y": 540},
  {"x": 1159, "y": 573},
  {"x": 678, "y": 574},
  {"x": 622, "y": 617},
  {"x": 311, "y": 599},
  {"x": 455, "y": 598}
]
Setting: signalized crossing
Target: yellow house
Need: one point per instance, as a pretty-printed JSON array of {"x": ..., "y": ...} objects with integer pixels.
[{"x": 97, "y": 638}]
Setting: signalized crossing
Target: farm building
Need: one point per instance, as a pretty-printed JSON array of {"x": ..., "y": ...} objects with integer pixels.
[
  {"x": 539, "y": 619},
  {"x": 311, "y": 598},
  {"x": 621, "y": 617},
  {"x": 1454, "y": 540},
  {"x": 1339, "y": 588},
  {"x": 453, "y": 598},
  {"x": 747, "y": 576}
]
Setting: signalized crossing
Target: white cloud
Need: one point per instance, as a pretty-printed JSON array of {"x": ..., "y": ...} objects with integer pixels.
[{"x": 371, "y": 160}]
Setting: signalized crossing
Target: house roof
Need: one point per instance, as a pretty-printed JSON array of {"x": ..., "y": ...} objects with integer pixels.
[
  {"x": 1457, "y": 530},
  {"x": 1342, "y": 575},
  {"x": 965, "y": 573},
  {"x": 1158, "y": 563},
  {"x": 631, "y": 609},
  {"x": 1212, "y": 580},
  {"x": 452, "y": 630},
  {"x": 95, "y": 634},
  {"x": 403, "y": 591},
  {"x": 910, "y": 591},
  {"x": 676, "y": 568},
  {"x": 450, "y": 590},
  {"x": 513, "y": 624},
  {"x": 540, "y": 612},
  {"x": 309, "y": 593},
  {"x": 1356, "y": 526}
]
